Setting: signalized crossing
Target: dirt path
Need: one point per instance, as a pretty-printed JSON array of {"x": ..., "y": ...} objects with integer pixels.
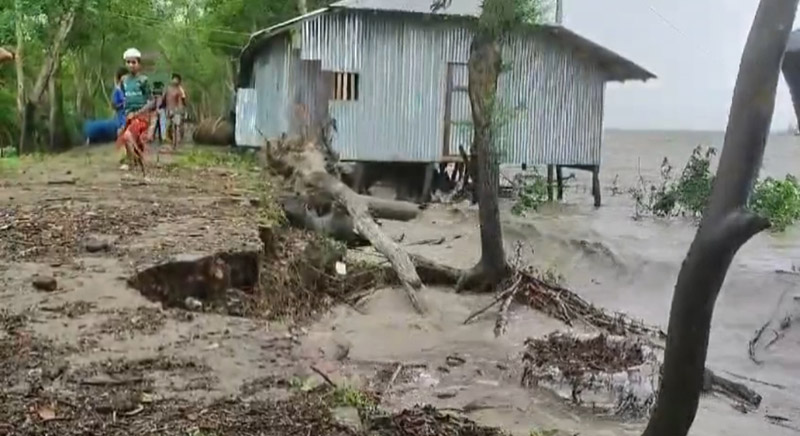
[{"x": 81, "y": 351}]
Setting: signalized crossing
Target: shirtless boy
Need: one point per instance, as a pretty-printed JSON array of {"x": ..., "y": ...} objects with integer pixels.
[{"x": 175, "y": 98}]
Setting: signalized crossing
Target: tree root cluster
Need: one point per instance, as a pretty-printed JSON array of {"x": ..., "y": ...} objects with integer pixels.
[
  {"x": 575, "y": 356},
  {"x": 614, "y": 374},
  {"x": 299, "y": 276},
  {"x": 526, "y": 286},
  {"x": 611, "y": 374}
]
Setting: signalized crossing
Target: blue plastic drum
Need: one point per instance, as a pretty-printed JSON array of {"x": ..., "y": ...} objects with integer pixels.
[{"x": 100, "y": 131}]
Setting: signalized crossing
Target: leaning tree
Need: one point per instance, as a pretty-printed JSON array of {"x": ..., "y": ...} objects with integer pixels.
[{"x": 726, "y": 224}]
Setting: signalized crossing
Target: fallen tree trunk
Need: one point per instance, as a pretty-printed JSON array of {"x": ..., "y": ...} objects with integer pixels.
[
  {"x": 306, "y": 163},
  {"x": 335, "y": 224},
  {"x": 731, "y": 389},
  {"x": 394, "y": 210}
]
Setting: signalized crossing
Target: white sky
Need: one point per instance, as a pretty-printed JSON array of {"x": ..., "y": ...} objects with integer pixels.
[{"x": 694, "y": 50}]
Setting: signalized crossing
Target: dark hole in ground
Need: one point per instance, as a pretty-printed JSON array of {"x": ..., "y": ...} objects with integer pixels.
[
  {"x": 214, "y": 279},
  {"x": 293, "y": 277}
]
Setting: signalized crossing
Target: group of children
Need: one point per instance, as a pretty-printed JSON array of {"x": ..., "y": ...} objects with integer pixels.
[{"x": 137, "y": 105}]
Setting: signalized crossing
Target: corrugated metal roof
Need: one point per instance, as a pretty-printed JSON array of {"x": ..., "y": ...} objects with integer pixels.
[
  {"x": 463, "y": 8},
  {"x": 618, "y": 67}
]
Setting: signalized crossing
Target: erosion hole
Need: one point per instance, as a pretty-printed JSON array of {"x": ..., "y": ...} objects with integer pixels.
[{"x": 207, "y": 279}]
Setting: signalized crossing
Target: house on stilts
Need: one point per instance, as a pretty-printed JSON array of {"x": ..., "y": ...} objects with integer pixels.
[{"x": 393, "y": 76}]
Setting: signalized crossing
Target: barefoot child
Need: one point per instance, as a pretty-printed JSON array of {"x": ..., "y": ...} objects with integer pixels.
[
  {"x": 139, "y": 108},
  {"x": 175, "y": 97}
]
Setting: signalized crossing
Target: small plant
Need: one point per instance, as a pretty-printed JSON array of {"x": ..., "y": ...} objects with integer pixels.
[
  {"x": 531, "y": 193},
  {"x": 778, "y": 201},
  {"x": 542, "y": 432},
  {"x": 352, "y": 397},
  {"x": 301, "y": 384}
]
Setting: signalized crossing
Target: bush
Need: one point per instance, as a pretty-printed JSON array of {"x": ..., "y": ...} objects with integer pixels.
[
  {"x": 687, "y": 195},
  {"x": 777, "y": 200},
  {"x": 531, "y": 192}
]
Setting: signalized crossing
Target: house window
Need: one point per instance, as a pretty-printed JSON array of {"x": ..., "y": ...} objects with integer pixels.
[{"x": 345, "y": 86}]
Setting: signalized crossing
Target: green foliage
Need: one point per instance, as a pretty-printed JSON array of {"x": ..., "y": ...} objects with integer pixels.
[
  {"x": 686, "y": 196},
  {"x": 200, "y": 39},
  {"x": 531, "y": 192},
  {"x": 778, "y": 201},
  {"x": 302, "y": 384},
  {"x": 351, "y": 397},
  {"x": 693, "y": 188}
]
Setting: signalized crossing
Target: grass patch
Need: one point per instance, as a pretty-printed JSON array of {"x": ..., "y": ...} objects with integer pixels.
[{"x": 205, "y": 158}]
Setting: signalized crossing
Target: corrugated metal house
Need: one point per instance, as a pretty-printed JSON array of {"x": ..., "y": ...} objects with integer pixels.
[{"x": 394, "y": 77}]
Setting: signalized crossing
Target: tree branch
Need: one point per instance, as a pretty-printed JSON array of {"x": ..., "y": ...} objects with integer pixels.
[
  {"x": 737, "y": 228},
  {"x": 65, "y": 26}
]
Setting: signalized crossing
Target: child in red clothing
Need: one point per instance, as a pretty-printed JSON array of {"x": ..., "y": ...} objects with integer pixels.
[{"x": 139, "y": 109}]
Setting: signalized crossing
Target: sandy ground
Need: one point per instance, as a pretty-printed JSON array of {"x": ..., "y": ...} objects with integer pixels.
[{"x": 93, "y": 325}]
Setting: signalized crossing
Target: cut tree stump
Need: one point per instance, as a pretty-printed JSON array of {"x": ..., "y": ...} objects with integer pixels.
[{"x": 306, "y": 163}]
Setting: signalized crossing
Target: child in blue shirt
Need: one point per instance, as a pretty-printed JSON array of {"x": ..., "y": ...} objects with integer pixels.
[{"x": 118, "y": 98}]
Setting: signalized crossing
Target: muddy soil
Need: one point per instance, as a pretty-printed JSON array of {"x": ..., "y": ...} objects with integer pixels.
[{"x": 86, "y": 353}]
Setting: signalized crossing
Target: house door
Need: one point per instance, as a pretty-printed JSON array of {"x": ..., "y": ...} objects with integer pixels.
[{"x": 457, "y": 111}]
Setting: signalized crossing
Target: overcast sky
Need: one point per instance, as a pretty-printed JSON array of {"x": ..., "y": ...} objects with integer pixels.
[{"x": 694, "y": 50}]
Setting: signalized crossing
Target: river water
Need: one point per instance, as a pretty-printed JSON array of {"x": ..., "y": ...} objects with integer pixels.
[
  {"x": 639, "y": 277},
  {"x": 610, "y": 259}
]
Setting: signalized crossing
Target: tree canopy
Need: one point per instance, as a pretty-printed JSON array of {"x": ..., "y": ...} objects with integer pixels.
[{"x": 200, "y": 39}]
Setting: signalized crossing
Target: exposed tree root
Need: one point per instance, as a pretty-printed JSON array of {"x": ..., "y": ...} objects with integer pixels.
[
  {"x": 309, "y": 165},
  {"x": 560, "y": 303}
]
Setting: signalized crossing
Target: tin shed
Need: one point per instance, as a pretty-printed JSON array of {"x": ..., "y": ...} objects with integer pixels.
[{"x": 393, "y": 76}]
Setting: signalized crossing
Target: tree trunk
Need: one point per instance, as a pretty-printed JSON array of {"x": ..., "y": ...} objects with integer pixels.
[
  {"x": 726, "y": 225},
  {"x": 484, "y": 70},
  {"x": 302, "y": 7},
  {"x": 20, "y": 77},
  {"x": 59, "y": 137},
  {"x": 33, "y": 99}
]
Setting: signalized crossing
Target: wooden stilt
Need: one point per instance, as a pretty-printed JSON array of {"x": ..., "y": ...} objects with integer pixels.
[
  {"x": 426, "y": 186},
  {"x": 560, "y": 181},
  {"x": 596, "y": 185},
  {"x": 550, "y": 182}
]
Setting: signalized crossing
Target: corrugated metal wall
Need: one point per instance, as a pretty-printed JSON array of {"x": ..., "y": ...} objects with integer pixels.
[
  {"x": 554, "y": 100},
  {"x": 553, "y": 103},
  {"x": 272, "y": 87},
  {"x": 246, "y": 110}
]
